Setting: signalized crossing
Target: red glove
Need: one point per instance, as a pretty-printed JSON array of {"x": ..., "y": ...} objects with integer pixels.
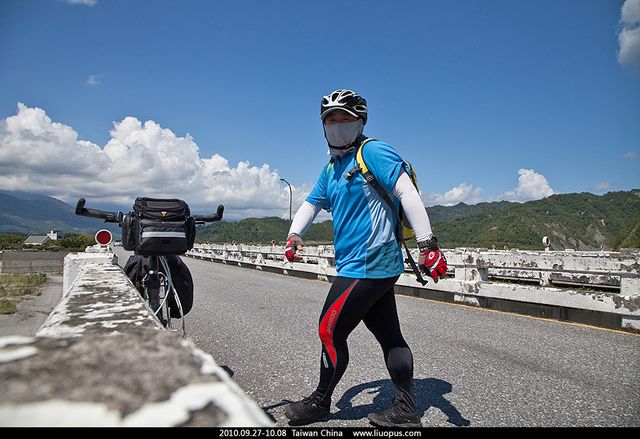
[
  {"x": 294, "y": 244},
  {"x": 431, "y": 260}
]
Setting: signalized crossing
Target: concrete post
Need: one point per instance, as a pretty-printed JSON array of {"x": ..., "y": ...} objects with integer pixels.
[
  {"x": 629, "y": 286},
  {"x": 471, "y": 274},
  {"x": 545, "y": 278}
]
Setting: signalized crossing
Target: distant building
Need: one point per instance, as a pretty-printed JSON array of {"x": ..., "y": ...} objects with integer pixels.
[
  {"x": 54, "y": 235},
  {"x": 37, "y": 239}
]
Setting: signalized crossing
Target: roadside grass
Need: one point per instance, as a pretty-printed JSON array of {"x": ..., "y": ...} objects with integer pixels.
[{"x": 15, "y": 287}]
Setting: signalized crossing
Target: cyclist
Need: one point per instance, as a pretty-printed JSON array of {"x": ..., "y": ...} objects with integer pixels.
[{"x": 368, "y": 258}]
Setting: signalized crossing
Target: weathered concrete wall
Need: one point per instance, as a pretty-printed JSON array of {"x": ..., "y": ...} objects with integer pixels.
[
  {"x": 76, "y": 262},
  {"x": 23, "y": 262},
  {"x": 591, "y": 287},
  {"x": 102, "y": 359}
]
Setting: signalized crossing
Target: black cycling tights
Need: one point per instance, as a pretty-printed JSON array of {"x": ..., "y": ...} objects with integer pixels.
[{"x": 349, "y": 302}]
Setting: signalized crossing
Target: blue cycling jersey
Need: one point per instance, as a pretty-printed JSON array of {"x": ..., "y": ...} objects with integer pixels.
[{"x": 364, "y": 227}]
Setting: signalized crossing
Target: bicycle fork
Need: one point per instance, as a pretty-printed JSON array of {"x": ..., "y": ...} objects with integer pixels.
[{"x": 152, "y": 285}]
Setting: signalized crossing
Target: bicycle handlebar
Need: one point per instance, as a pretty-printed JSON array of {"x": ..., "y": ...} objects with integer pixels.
[
  {"x": 201, "y": 219},
  {"x": 108, "y": 217},
  {"x": 117, "y": 217}
]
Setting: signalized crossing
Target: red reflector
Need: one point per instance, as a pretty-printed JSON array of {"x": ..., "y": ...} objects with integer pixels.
[{"x": 103, "y": 237}]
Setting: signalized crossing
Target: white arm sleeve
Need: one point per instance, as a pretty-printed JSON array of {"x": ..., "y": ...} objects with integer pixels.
[
  {"x": 303, "y": 218},
  {"x": 413, "y": 207}
]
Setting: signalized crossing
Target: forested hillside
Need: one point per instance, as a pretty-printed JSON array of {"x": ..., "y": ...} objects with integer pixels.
[{"x": 581, "y": 221}]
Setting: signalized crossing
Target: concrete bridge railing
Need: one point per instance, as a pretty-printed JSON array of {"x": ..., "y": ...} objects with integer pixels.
[
  {"x": 601, "y": 288},
  {"x": 103, "y": 359}
]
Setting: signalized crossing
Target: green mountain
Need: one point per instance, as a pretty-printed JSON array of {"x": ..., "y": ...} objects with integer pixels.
[
  {"x": 630, "y": 238},
  {"x": 28, "y": 213},
  {"x": 580, "y": 221},
  {"x": 439, "y": 214},
  {"x": 261, "y": 231}
]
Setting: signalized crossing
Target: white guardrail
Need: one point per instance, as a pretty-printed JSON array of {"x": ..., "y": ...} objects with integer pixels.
[{"x": 603, "y": 287}]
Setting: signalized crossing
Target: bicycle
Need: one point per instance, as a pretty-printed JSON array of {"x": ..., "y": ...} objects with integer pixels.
[{"x": 160, "y": 238}]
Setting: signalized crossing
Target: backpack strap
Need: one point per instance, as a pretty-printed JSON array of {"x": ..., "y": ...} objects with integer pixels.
[
  {"x": 362, "y": 167},
  {"x": 360, "y": 159}
]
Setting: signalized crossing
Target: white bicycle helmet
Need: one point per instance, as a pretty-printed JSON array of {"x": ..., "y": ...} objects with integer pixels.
[{"x": 345, "y": 100}]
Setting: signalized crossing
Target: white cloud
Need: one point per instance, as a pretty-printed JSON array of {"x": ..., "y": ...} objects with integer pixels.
[
  {"x": 601, "y": 187},
  {"x": 463, "y": 193},
  {"x": 630, "y": 13},
  {"x": 629, "y": 36},
  {"x": 140, "y": 159},
  {"x": 630, "y": 155},
  {"x": 531, "y": 186},
  {"x": 94, "y": 80},
  {"x": 145, "y": 159},
  {"x": 83, "y": 2}
]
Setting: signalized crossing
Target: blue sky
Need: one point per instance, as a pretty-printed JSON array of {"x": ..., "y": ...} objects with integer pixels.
[{"x": 495, "y": 99}]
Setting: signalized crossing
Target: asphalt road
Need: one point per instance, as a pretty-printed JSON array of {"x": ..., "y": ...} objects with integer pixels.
[{"x": 473, "y": 367}]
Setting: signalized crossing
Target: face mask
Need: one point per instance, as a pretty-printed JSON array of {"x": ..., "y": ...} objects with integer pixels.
[
  {"x": 340, "y": 152},
  {"x": 340, "y": 135}
]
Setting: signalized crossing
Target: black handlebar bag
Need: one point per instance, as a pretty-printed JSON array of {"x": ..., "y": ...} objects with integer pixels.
[{"x": 159, "y": 227}]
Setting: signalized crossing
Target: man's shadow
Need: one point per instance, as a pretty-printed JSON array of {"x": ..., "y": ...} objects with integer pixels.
[{"x": 429, "y": 393}]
